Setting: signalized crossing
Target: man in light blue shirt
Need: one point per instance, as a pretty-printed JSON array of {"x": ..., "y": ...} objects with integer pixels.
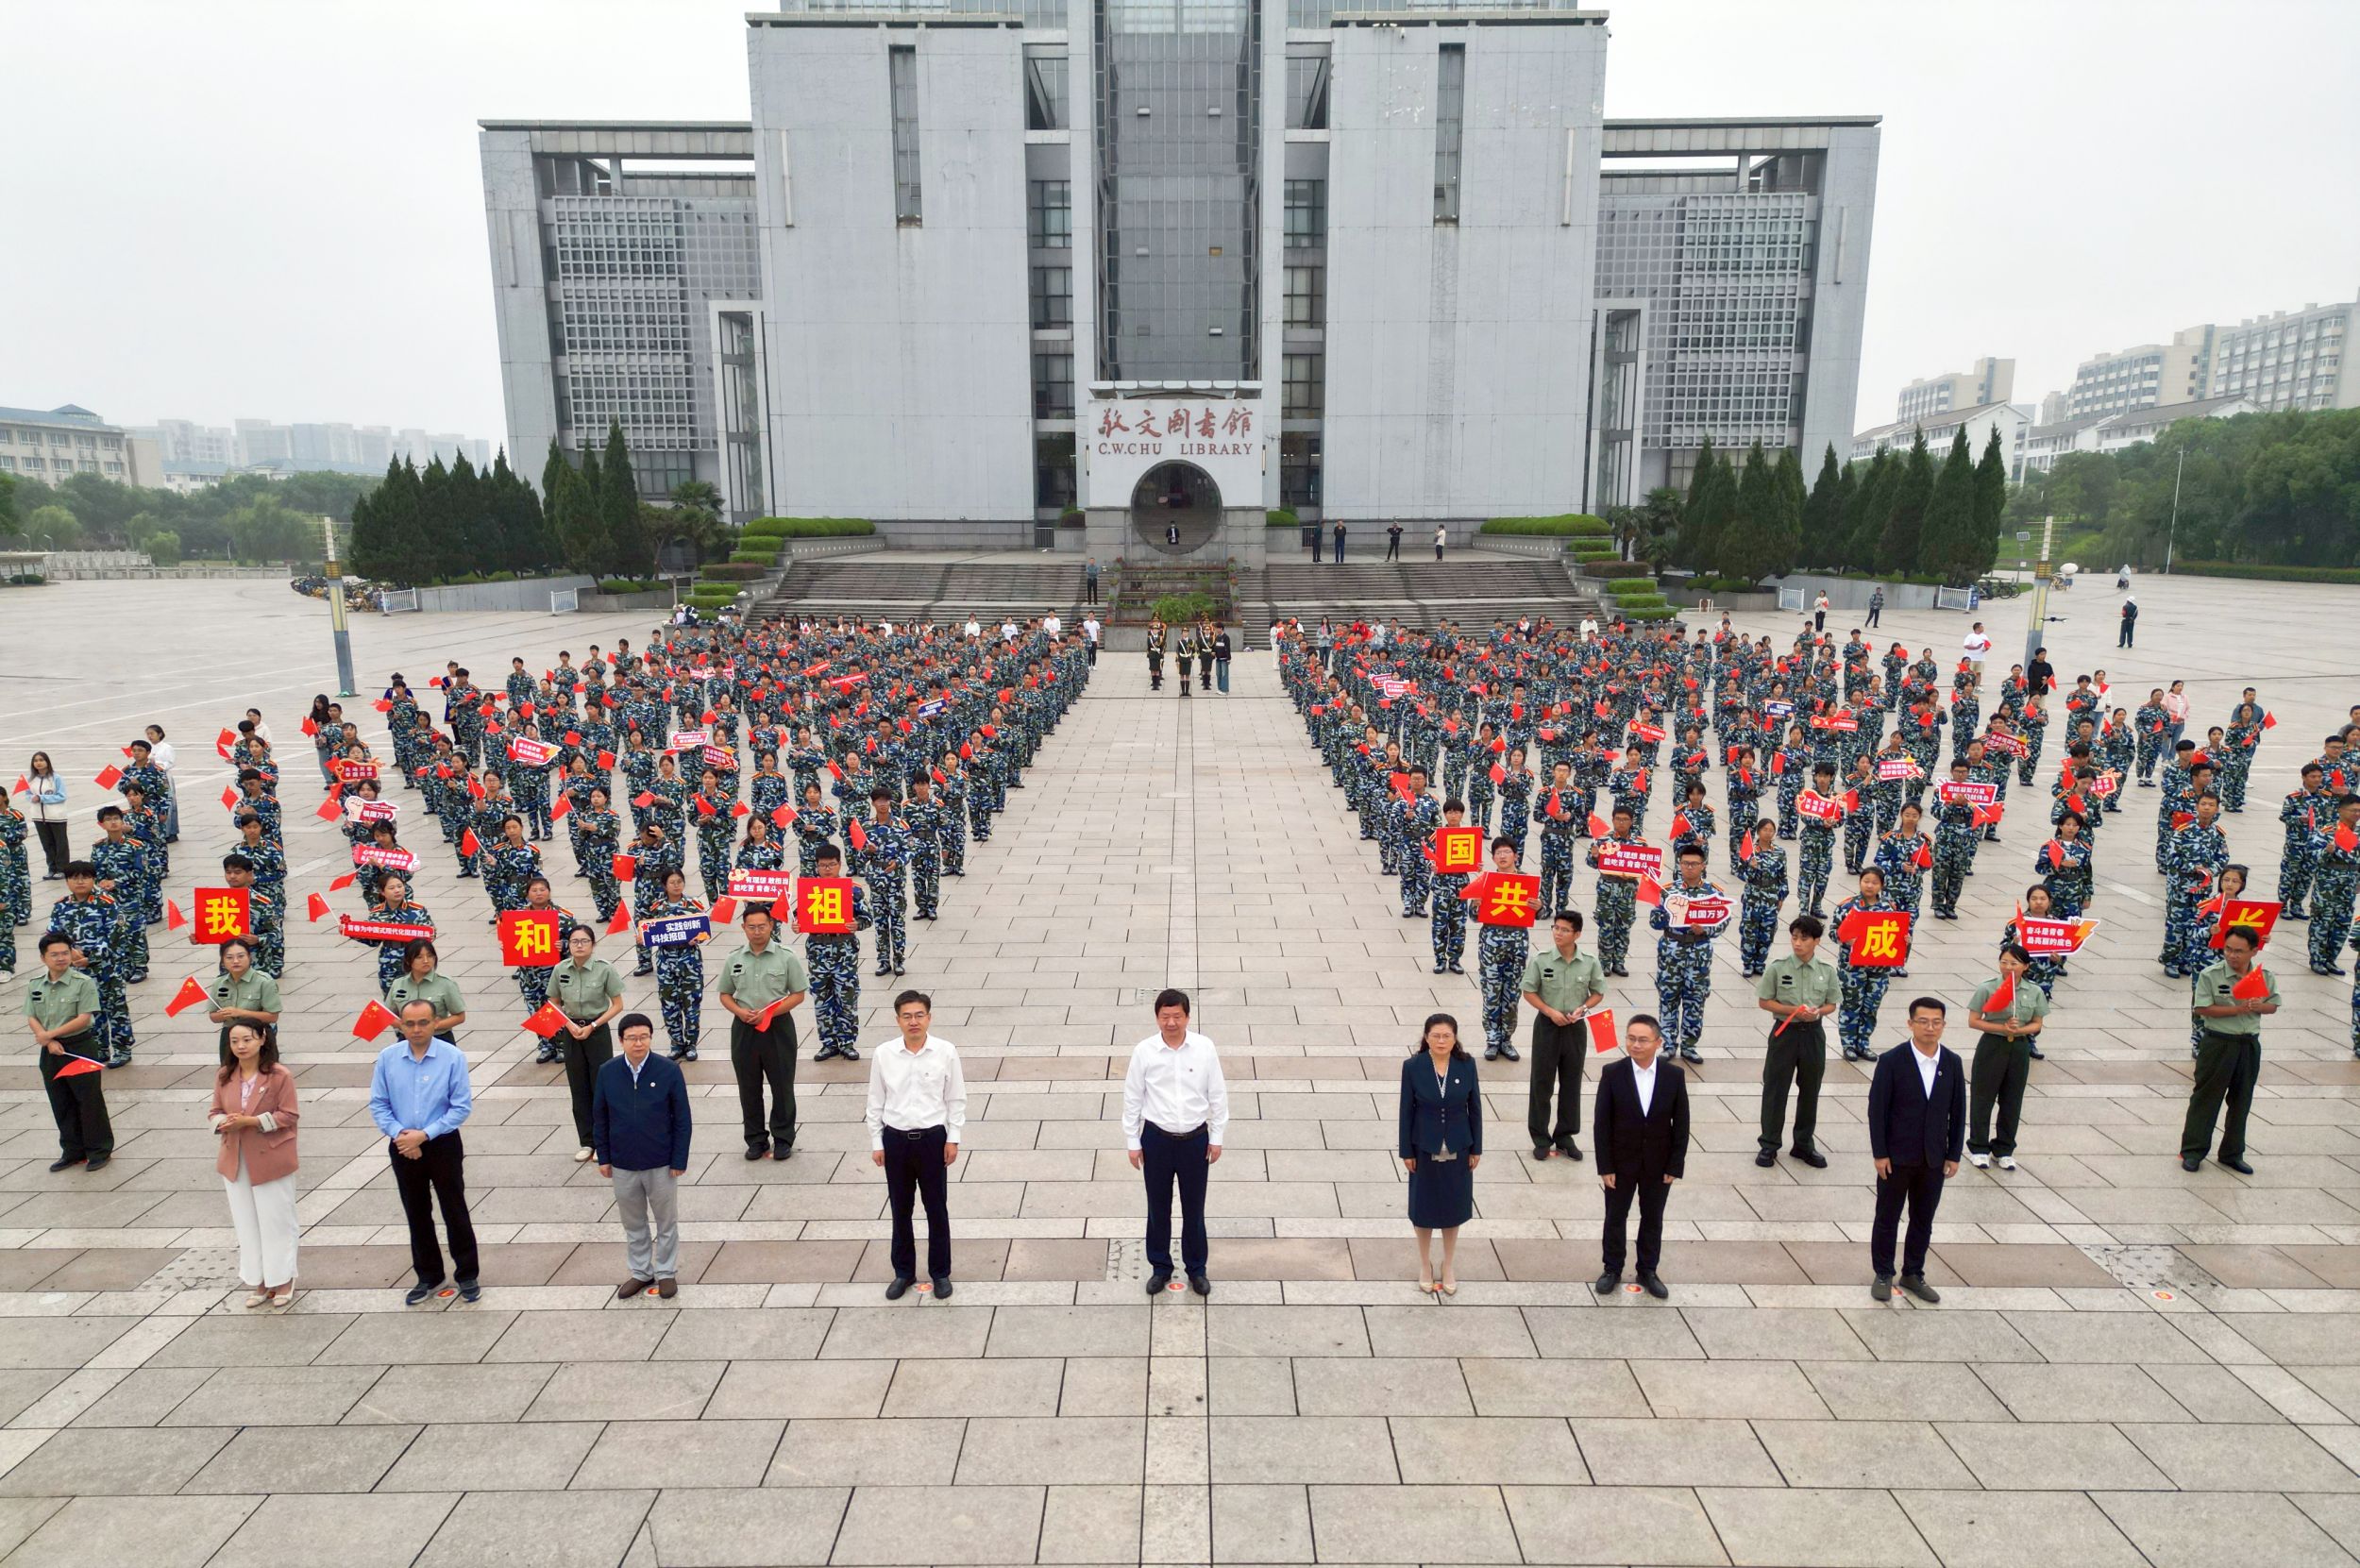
[{"x": 418, "y": 1097}]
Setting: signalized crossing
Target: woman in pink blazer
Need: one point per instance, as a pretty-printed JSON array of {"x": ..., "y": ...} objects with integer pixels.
[{"x": 254, "y": 1115}]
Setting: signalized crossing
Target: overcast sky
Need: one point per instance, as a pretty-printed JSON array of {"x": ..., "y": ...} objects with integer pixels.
[{"x": 272, "y": 207}]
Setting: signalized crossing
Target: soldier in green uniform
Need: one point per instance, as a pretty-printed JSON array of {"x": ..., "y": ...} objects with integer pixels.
[
  {"x": 62, "y": 1005},
  {"x": 761, "y": 1040},
  {"x": 2229, "y": 1056},
  {"x": 1800, "y": 990},
  {"x": 421, "y": 982},
  {"x": 242, "y": 993},
  {"x": 1561, "y": 987},
  {"x": 2003, "y": 1059},
  {"x": 588, "y": 991}
]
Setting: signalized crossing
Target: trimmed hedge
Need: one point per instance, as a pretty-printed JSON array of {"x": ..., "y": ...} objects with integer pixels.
[
  {"x": 1630, "y": 587},
  {"x": 753, "y": 557},
  {"x": 630, "y": 585},
  {"x": 1172, "y": 609},
  {"x": 1612, "y": 569},
  {"x": 709, "y": 596},
  {"x": 1567, "y": 523},
  {"x": 1589, "y": 547},
  {"x": 735, "y": 571},
  {"x": 1648, "y": 612},
  {"x": 805, "y": 527},
  {"x": 2254, "y": 572},
  {"x": 1278, "y": 517}
]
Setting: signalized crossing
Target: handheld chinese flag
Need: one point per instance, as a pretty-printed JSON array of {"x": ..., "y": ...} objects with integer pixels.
[
  {"x": 374, "y": 1020},
  {"x": 76, "y": 1064},
  {"x": 2254, "y": 986},
  {"x": 606, "y": 761},
  {"x": 229, "y": 798},
  {"x": 621, "y": 922},
  {"x": 858, "y": 835},
  {"x": 546, "y": 1020},
  {"x": 783, "y": 817},
  {"x": 2346, "y": 839},
  {"x": 1598, "y": 828},
  {"x": 1602, "y": 1036},
  {"x": 310, "y": 725},
  {"x": 224, "y": 740},
  {"x": 329, "y": 810},
  {"x": 1682, "y": 827},
  {"x": 769, "y": 1015},
  {"x": 344, "y": 882},
  {"x": 1499, "y": 774},
  {"x": 1650, "y": 890},
  {"x": 108, "y": 777},
  {"x": 469, "y": 844},
  {"x": 174, "y": 920},
  {"x": 2056, "y": 855},
  {"x": 2002, "y": 997},
  {"x": 644, "y": 799},
  {"x": 23, "y": 784},
  {"x": 1986, "y": 816},
  {"x": 317, "y": 908},
  {"x": 1924, "y": 858},
  {"x": 564, "y": 803},
  {"x": 188, "y": 996},
  {"x": 2269, "y": 721},
  {"x": 625, "y": 868},
  {"x": 725, "y": 912}
]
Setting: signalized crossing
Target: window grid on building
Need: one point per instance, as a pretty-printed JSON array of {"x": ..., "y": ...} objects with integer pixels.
[
  {"x": 1303, "y": 386},
  {"x": 1306, "y": 213},
  {"x": 1307, "y": 295},
  {"x": 901, "y": 70},
  {"x": 1450, "y": 118},
  {"x": 1052, "y": 214},
  {"x": 1053, "y": 386},
  {"x": 1052, "y": 296}
]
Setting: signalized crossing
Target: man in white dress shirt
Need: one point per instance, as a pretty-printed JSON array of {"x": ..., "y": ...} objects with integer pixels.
[
  {"x": 917, "y": 1106},
  {"x": 1175, "y": 1110}
]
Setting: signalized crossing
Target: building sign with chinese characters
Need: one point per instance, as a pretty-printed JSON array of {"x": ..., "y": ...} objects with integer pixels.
[{"x": 1121, "y": 439}]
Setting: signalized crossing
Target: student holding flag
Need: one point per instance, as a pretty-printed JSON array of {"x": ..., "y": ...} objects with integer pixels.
[
  {"x": 2009, "y": 1013},
  {"x": 62, "y": 1009},
  {"x": 2230, "y": 1000}
]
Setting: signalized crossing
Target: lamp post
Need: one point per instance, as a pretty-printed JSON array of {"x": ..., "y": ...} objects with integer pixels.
[
  {"x": 336, "y": 609},
  {"x": 2173, "y": 537},
  {"x": 2039, "y": 617}
]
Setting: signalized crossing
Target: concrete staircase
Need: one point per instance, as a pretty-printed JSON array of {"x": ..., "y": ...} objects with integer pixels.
[
  {"x": 1471, "y": 588},
  {"x": 877, "y": 587}
]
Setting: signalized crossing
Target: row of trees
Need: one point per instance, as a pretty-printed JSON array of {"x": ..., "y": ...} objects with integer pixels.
[
  {"x": 245, "y": 516},
  {"x": 1898, "y": 514}
]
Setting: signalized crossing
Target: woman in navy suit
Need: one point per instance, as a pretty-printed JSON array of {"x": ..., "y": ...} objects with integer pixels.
[{"x": 1442, "y": 1143}]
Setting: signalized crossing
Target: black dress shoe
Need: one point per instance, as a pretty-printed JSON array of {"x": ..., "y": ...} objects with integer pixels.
[
  {"x": 1540, "y": 1151},
  {"x": 2191, "y": 1162},
  {"x": 98, "y": 1162},
  {"x": 667, "y": 1288},
  {"x": 1916, "y": 1285},
  {"x": 1811, "y": 1157},
  {"x": 1655, "y": 1286},
  {"x": 1607, "y": 1282},
  {"x": 900, "y": 1287},
  {"x": 1882, "y": 1289},
  {"x": 57, "y": 1165},
  {"x": 942, "y": 1288},
  {"x": 1767, "y": 1158},
  {"x": 1201, "y": 1285},
  {"x": 758, "y": 1151},
  {"x": 1569, "y": 1148},
  {"x": 2240, "y": 1165},
  {"x": 1158, "y": 1281}
]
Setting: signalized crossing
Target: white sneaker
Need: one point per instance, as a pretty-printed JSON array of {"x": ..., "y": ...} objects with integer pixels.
[
  {"x": 2007, "y": 1162},
  {"x": 1979, "y": 1161},
  {"x": 581, "y": 1155}
]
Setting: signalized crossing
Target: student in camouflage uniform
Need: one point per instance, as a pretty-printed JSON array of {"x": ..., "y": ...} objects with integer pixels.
[
  {"x": 1448, "y": 922},
  {"x": 1904, "y": 855},
  {"x": 715, "y": 832},
  {"x": 761, "y": 849},
  {"x": 2066, "y": 868},
  {"x": 266, "y": 918},
  {"x": 602, "y": 841},
  {"x": 1618, "y": 896},
  {"x": 2193, "y": 858},
  {"x": 1555, "y": 810},
  {"x": 2303, "y": 812},
  {"x": 532, "y": 980},
  {"x": 1683, "y": 955},
  {"x": 1414, "y": 817},
  {"x": 1817, "y": 860},
  {"x": 2244, "y": 736},
  {"x": 654, "y": 857},
  {"x": 922, "y": 820},
  {"x": 508, "y": 866},
  {"x": 1864, "y": 989},
  {"x": 1500, "y": 954},
  {"x": 394, "y": 906},
  {"x": 122, "y": 863},
  {"x": 2334, "y": 884},
  {"x": 952, "y": 795},
  {"x": 16, "y": 880},
  {"x": 1479, "y": 785},
  {"x": 833, "y": 960},
  {"x": 881, "y": 857},
  {"x": 87, "y": 918},
  {"x": 1860, "y": 819},
  {"x": 1763, "y": 870},
  {"x": 1954, "y": 848},
  {"x": 679, "y": 971}
]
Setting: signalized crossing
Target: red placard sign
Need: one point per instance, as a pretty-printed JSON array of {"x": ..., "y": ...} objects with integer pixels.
[{"x": 1629, "y": 860}]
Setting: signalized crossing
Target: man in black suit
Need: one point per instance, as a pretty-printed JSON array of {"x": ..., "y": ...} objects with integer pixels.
[
  {"x": 1917, "y": 1131},
  {"x": 1641, "y": 1131}
]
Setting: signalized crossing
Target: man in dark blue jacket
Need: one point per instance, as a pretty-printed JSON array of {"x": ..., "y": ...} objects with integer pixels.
[
  {"x": 1917, "y": 1131},
  {"x": 639, "y": 1124}
]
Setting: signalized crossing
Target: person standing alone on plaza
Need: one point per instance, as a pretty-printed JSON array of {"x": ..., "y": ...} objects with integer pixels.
[
  {"x": 46, "y": 792},
  {"x": 1877, "y": 605},
  {"x": 1641, "y": 1135},
  {"x": 1561, "y": 987},
  {"x": 254, "y": 1116},
  {"x": 2130, "y": 622},
  {"x": 1916, "y": 1132},
  {"x": 1442, "y": 537},
  {"x": 1339, "y": 541},
  {"x": 1442, "y": 1143},
  {"x": 1392, "y": 540},
  {"x": 1819, "y": 612},
  {"x": 640, "y": 1124},
  {"x": 1175, "y": 1111},
  {"x": 419, "y": 1097},
  {"x": 916, "y": 1107}
]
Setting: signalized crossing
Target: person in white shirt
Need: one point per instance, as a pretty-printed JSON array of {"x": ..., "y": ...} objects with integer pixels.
[
  {"x": 1091, "y": 633},
  {"x": 1977, "y": 646},
  {"x": 917, "y": 1107},
  {"x": 1175, "y": 1110},
  {"x": 1007, "y": 630},
  {"x": 1052, "y": 625},
  {"x": 160, "y": 754},
  {"x": 973, "y": 628}
]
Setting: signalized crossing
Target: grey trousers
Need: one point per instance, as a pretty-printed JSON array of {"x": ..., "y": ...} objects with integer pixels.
[{"x": 650, "y": 1199}]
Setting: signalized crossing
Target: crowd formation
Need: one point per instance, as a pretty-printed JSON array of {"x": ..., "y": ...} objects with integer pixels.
[{"x": 1457, "y": 750}]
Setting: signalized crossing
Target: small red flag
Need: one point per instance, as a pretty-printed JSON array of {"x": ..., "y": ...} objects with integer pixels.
[
  {"x": 1650, "y": 890},
  {"x": 546, "y": 1020},
  {"x": 606, "y": 761},
  {"x": 626, "y": 868},
  {"x": 855, "y": 832},
  {"x": 1924, "y": 858},
  {"x": 2346, "y": 839},
  {"x": 725, "y": 912},
  {"x": 835, "y": 771},
  {"x": 1597, "y": 826},
  {"x": 344, "y": 882},
  {"x": 317, "y": 908},
  {"x": 188, "y": 996},
  {"x": 469, "y": 844},
  {"x": 2254, "y": 986},
  {"x": 310, "y": 725},
  {"x": 383, "y": 705},
  {"x": 224, "y": 740},
  {"x": 564, "y": 803},
  {"x": 108, "y": 777},
  {"x": 2002, "y": 997},
  {"x": 229, "y": 799},
  {"x": 621, "y": 922},
  {"x": 1602, "y": 1036},
  {"x": 1680, "y": 825},
  {"x": 2269, "y": 721},
  {"x": 784, "y": 816},
  {"x": 174, "y": 920},
  {"x": 374, "y": 1020},
  {"x": 2056, "y": 855},
  {"x": 329, "y": 810},
  {"x": 644, "y": 799},
  {"x": 22, "y": 785},
  {"x": 1499, "y": 774}
]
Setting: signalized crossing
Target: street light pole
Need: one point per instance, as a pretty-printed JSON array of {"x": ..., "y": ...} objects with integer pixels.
[
  {"x": 2173, "y": 537},
  {"x": 2034, "y": 628},
  {"x": 336, "y": 611}
]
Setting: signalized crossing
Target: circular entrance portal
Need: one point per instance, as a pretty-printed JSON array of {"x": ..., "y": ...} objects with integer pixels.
[{"x": 1175, "y": 508}]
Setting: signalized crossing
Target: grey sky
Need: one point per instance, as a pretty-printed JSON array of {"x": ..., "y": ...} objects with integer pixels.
[{"x": 271, "y": 208}]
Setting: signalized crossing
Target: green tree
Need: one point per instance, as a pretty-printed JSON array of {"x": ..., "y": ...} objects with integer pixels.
[
  {"x": 163, "y": 548},
  {"x": 1864, "y": 510},
  {"x": 476, "y": 536},
  {"x": 1946, "y": 546},
  {"x": 2082, "y": 485},
  {"x": 631, "y": 554},
  {"x": 442, "y": 554},
  {"x": 1787, "y": 530},
  {"x": 103, "y": 505},
  {"x": 53, "y": 527},
  {"x": 1821, "y": 540},
  {"x": 1898, "y": 542},
  {"x": 8, "y": 504},
  {"x": 268, "y": 529},
  {"x": 1991, "y": 506},
  {"x": 1748, "y": 545},
  {"x": 1712, "y": 502},
  {"x": 580, "y": 538}
]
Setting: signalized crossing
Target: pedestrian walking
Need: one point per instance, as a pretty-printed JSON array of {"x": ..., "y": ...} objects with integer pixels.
[
  {"x": 1175, "y": 1113},
  {"x": 419, "y": 1097},
  {"x": 640, "y": 1124},
  {"x": 1441, "y": 1145},
  {"x": 1877, "y": 605},
  {"x": 254, "y": 1115},
  {"x": 917, "y": 1108}
]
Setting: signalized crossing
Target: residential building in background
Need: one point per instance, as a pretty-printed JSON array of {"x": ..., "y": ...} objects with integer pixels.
[
  {"x": 1987, "y": 380},
  {"x": 2113, "y": 432},
  {"x": 974, "y": 263},
  {"x": 2013, "y": 422},
  {"x": 2293, "y": 359},
  {"x": 2143, "y": 376},
  {"x": 55, "y": 445},
  {"x": 193, "y": 449}
]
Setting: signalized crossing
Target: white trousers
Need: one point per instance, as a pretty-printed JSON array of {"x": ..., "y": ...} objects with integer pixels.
[{"x": 264, "y": 1214}]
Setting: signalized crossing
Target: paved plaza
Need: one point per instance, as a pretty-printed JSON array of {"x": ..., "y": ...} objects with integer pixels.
[{"x": 2130, "y": 1365}]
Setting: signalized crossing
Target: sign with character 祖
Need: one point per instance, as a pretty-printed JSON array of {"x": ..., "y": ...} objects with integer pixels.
[{"x": 823, "y": 906}]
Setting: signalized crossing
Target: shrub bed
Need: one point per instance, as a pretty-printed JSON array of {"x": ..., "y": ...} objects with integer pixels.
[
  {"x": 1632, "y": 587},
  {"x": 1568, "y": 524},
  {"x": 2255, "y": 572},
  {"x": 1174, "y": 608},
  {"x": 1613, "y": 569},
  {"x": 630, "y": 585},
  {"x": 805, "y": 528},
  {"x": 1278, "y": 517}
]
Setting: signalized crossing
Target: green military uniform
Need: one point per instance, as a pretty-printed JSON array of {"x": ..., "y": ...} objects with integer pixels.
[
  {"x": 2228, "y": 1060},
  {"x": 2002, "y": 1068},
  {"x": 78, "y": 1101},
  {"x": 1798, "y": 1050},
  {"x": 755, "y": 980},
  {"x": 1566, "y": 985},
  {"x": 582, "y": 992},
  {"x": 436, "y": 989},
  {"x": 255, "y": 992}
]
